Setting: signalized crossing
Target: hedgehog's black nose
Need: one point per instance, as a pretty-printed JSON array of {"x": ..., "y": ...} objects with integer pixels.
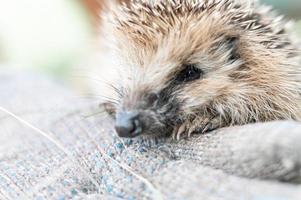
[{"x": 128, "y": 124}]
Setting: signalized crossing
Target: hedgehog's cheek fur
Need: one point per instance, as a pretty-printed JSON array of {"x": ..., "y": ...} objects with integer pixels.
[{"x": 154, "y": 124}]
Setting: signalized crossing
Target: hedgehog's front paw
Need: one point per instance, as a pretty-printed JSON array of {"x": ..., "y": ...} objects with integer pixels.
[{"x": 197, "y": 125}]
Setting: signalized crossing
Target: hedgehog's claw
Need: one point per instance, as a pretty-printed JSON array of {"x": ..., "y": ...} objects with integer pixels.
[
  {"x": 180, "y": 131},
  {"x": 175, "y": 132},
  {"x": 212, "y": 125}
]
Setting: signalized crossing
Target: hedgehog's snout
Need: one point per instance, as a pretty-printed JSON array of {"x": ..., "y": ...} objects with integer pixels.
[
  {"x": 136, "y": 116},
  {"x": 128, "y": 124}
]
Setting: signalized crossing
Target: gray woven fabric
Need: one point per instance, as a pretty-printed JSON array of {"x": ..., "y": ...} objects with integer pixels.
[{"x": 259, "y": 161}]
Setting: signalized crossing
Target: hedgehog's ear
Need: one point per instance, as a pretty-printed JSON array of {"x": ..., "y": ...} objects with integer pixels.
[
  {"x": 109, "y": 108},
  {"x": 231, "y": 43}
]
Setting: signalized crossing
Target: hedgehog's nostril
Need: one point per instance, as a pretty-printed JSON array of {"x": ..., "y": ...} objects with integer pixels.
[{"x": 128, "y": 124}]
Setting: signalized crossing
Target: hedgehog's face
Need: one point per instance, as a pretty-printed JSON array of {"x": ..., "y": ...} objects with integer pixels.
[
  {"x": 171, "y": 79},
  {"x": 182, "y": 60}
]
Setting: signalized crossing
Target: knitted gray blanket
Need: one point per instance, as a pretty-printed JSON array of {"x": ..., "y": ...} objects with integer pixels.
[{"x": 51, "y": 148}]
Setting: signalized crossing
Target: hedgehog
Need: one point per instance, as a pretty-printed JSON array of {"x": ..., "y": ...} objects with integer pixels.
[{"x": 181, "y": 67}]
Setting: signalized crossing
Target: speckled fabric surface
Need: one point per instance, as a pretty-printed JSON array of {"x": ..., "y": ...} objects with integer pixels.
[{"x": 88, "y": 161}]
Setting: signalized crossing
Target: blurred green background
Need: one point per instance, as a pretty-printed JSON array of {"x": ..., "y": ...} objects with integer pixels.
[{"x": 53, "y": 36}]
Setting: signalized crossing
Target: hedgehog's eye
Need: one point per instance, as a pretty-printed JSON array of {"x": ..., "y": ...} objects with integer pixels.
[{"x": 189, "y": 73}]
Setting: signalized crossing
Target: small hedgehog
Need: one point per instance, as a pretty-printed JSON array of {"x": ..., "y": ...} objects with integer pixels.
[{"x": 181, "y": 67}]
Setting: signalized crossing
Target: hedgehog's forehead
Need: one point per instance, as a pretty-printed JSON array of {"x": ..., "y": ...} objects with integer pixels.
[{"x": 178, "y": 43}]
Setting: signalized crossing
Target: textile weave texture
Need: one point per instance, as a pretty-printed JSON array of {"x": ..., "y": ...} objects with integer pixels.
[{"x": 82, "y": 158}]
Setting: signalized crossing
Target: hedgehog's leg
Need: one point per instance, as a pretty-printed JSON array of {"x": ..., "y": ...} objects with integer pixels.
[
  {"x": 201, "y": 125},
  {"x": 207, "y": 125},
  {"x": 197, "y": 125},
  {"x": 188, "y": 127}
]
